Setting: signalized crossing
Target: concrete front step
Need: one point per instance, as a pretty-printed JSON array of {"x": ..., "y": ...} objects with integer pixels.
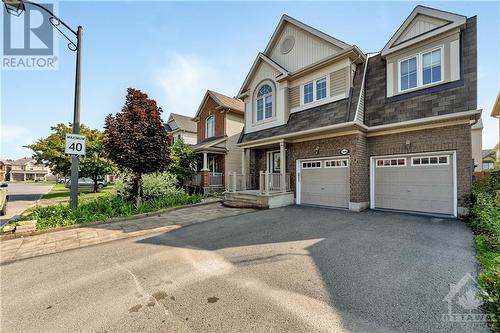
[{"x": 243, "y": 204}]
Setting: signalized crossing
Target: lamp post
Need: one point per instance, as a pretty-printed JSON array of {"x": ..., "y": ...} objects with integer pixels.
[{"x": 17, "y": 7}]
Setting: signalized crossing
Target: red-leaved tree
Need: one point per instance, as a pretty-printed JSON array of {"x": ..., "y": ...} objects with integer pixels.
[{"x": 136, "y": 138}]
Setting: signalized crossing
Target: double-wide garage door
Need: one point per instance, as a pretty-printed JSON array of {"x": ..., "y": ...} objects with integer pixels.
[
  {"x": 421, "y": 183},
  {"x": 325, "y": 182}
]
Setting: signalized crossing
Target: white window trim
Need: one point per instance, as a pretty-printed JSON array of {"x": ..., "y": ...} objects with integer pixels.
[
  {"x": 273, "y": 106},
  {"x": 337, "y": 166},
  {"x": 206, "y": 127},
  {"x": 429, "y": 164},
  {"x": 315, "y": 167},
  {"x": 389, "y": 159},
  {"x": 420, "y": 68},
  {"x": 315, "y": 100}
]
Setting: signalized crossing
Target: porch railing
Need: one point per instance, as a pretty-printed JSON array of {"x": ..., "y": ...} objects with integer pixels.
[
  {"x": 215, "y": 179},
  {"x": 268, "y": 182}
]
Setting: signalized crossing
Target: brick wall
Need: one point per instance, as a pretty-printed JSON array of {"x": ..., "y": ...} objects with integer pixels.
[
  {"x": 210, "y": 109},
  {"x": 359, "y": 168},
  {"x": 438, "y": 139}
]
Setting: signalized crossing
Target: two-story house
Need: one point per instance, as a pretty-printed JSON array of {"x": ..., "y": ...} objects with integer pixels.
[
  {"x": 219, "y": 121},
  {"x": 181, "y": 127},
  {"x": 328, "y": 125},
  {"x": 25, "y": 169}
]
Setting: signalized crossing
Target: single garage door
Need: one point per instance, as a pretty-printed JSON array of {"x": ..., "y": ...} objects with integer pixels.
[
  {"x": 325, "y": 182},
  {"x": 415, "y": 183}
]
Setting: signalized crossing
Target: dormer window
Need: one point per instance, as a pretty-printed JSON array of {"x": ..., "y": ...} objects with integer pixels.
[
  {"x": 431, "y": 63},
  {"x": 420, "y": 70},
  {"x": 210, "y": 127},
  {"x": 264, "y": 103}
]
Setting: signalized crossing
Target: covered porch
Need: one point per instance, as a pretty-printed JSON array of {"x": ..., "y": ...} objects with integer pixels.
[
  {"x": 209, "y": 175},
  {"x": 263, "y": 180}
]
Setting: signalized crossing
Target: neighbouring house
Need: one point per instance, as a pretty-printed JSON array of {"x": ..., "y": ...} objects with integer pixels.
[
  {"x": 26, "y": 169},
  {"x": 477, "y": 145},
  {"x": 489, "y": 159},
  {"x": 219, "y": 122},
  {"x": 3, "y": 170},
  {"x": 181, "y": 127},
  {"x": 495, "y": 112},
  {"x": 328, "y": 125}
]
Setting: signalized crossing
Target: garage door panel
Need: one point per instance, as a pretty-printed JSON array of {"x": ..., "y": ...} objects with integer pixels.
[
  {"x": 325, "y": 186},
  {"x": 416, "y": 188}
]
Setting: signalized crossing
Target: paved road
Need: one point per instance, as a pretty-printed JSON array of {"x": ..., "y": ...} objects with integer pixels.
[
  {"x": 296, "y": 269},
  {"x": 22, "y": 196}
]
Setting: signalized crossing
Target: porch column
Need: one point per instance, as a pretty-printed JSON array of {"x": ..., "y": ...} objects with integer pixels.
[
  {"x": 205, "y": 162},
  {"x": 24, "y": 175},
  {"x": 243, "y": 155},
  {"x": 282, "y": 166}
]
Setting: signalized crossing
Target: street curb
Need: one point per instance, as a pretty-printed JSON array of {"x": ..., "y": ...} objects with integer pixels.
[{"x": 108, "y": 221}]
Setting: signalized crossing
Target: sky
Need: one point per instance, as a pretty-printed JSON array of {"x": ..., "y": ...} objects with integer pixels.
[{"x": 175, "y": 51}]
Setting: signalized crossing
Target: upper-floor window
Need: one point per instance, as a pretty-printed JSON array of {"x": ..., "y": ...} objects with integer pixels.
[
  {"x": 431, "y": 67},
  {"x": 314, "y": 91},
  {"x": 264, "y": 103},
  {"x": 210, "y": 127},
  {"x": 421, "y": 69},
  {"x": 408, "y": 73}
]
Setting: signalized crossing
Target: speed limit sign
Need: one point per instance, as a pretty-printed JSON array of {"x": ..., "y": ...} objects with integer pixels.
[{"x": 75, "y": 144}]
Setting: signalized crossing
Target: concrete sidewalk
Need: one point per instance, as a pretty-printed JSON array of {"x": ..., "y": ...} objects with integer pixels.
[{"x": 58, "y": 241}]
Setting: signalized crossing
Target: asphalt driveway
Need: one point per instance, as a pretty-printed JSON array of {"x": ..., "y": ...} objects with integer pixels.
[
  {"x": 296, "y": 269},
  {"x": 23, "y": 196}
]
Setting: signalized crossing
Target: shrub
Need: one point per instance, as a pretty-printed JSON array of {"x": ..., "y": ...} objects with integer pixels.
[
  {"x": 154, "y": 185},
  {"x": 159, "y": 184},
  {"x": 485, "y": 222}
]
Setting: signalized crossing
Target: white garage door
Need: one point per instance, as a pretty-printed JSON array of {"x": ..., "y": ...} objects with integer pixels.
[
  {"x": 325, "y": 182},
  {"x": 422, "y": 183}
]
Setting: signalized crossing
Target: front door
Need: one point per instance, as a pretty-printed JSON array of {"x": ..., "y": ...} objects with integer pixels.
[
  {"x": 273, "y": 161},
  {"x": 213, "y": 164}
]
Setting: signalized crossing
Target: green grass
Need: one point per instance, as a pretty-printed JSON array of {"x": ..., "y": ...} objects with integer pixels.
[
  {"x": 102, "y": 208},
  {"x": 485, "y": 222},
  {"x": 59, "y": 192}
]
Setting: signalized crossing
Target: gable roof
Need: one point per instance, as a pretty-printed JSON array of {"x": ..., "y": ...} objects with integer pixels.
[
  {"x": 183, "y": 123},
  {"x": 437, "y": 21},
  {"x": 23, "y": 161},
  {"x": 288, "y": 19},
  {"x": 226, "y": 102},
  {"x": 261, "y": 57}
]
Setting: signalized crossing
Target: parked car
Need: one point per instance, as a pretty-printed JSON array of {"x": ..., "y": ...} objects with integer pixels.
[
  {"x": 88, "y": 183},
  {"x": 4, "y": 197}
]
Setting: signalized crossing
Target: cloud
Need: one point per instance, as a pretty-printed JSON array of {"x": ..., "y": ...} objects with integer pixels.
[
  {"x": 13, "y": 139},
  {"x": 185, "y": 79}
]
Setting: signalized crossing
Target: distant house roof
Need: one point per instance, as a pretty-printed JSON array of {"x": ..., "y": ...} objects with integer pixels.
[
  {"x": 495, "y": 112},
  {"x": 223, "y": 101},
  {"x": 183, "y": 123},
  {"x": 23, "y": 161},
  {"x": 487, "y": 152}
]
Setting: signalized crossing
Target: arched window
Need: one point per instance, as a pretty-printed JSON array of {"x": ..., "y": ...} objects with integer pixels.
[
  {"x": 264, "y": 103},
  {"x": 210, "y": 127}
]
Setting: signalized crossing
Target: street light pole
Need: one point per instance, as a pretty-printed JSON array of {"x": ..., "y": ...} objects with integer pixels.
[
  {"x": 73, "y": 197},
  {"x": 17, "y": 7}
]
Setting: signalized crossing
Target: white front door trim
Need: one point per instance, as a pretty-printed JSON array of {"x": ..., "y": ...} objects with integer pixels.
[
  {"x": 298, "y": 167},
  {"x": 447, "y": 152}
]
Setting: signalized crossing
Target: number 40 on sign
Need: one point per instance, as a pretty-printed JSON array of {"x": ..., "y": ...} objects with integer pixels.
[{"x": 75, "y": 144}]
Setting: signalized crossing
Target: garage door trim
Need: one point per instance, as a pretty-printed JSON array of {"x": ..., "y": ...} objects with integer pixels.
[
  {"x": 298, "y": 167},
  {"x": 448, "y": 152}
]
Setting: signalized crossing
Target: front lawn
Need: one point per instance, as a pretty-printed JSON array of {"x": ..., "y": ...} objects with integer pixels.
[
  {"x": 485, "y": 222},
  {"x": 102, "y": 208},
  {"x": 60, "y": 193}
]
